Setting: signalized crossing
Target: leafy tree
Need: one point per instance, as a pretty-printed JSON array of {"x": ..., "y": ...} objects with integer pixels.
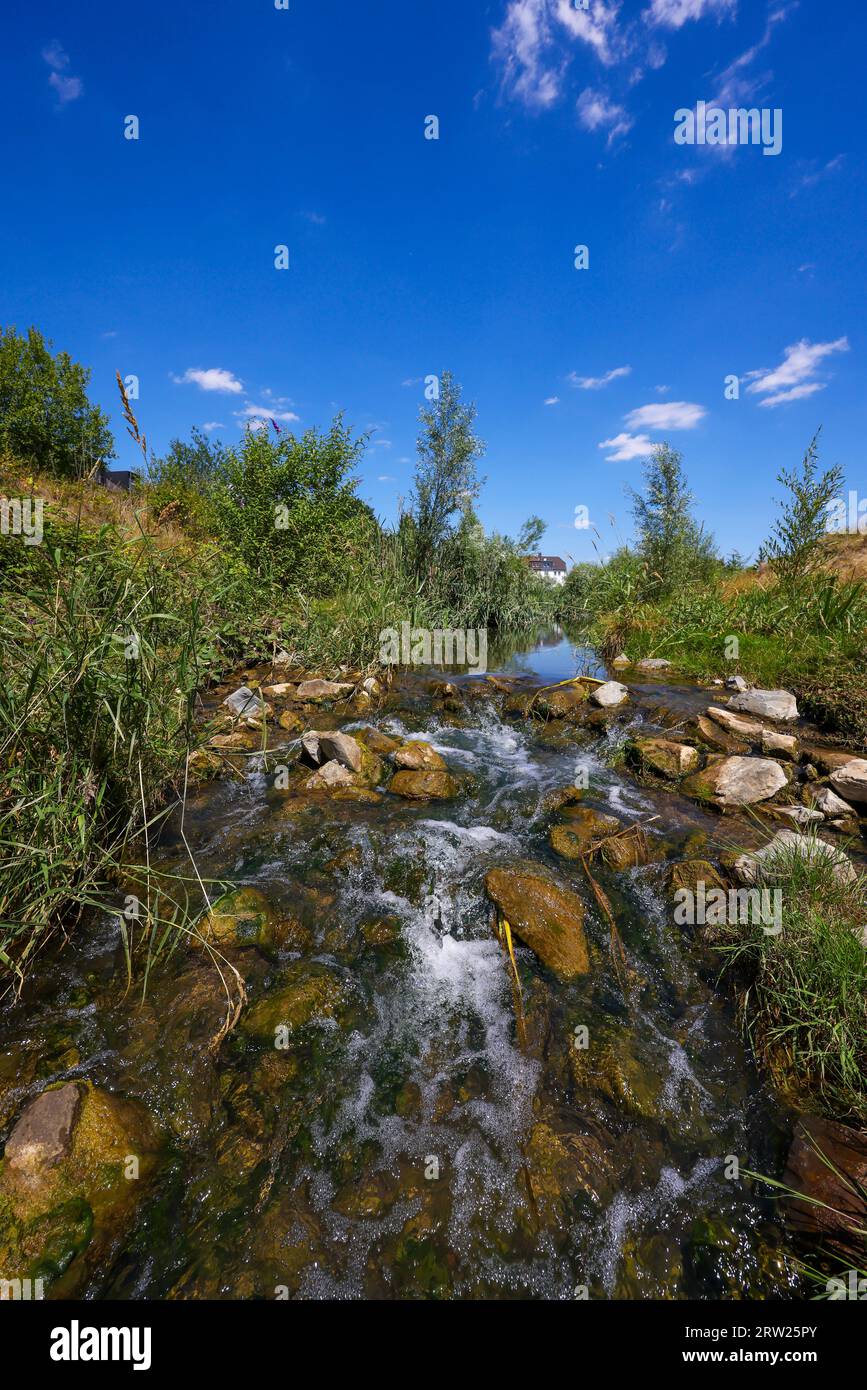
[
  {"x": 672, "y": 544},
  {"x": 445, "y": 481},
  {"x": 181, "y": 483},
  {"x": 288, "y": 507},
  {"x": 795, "y": 543},
  {"x": 46, "y": 418},
  {"x": 530, "y": 535}
]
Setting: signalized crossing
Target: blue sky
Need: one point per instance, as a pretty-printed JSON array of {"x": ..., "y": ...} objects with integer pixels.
[{"x": 306, "y": 127}]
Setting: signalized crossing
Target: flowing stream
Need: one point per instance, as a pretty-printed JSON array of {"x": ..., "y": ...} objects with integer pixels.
[{"x": 405, "y": 1144}]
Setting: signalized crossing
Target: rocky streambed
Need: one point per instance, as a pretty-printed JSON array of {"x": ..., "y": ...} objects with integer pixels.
[{"x": 437, "y": 1031}]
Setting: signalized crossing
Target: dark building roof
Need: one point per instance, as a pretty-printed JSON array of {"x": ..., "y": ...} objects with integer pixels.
[{"x": 547, "y": 562}]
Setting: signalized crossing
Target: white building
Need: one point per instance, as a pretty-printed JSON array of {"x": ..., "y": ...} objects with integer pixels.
[{"x": 548, "y": 567}]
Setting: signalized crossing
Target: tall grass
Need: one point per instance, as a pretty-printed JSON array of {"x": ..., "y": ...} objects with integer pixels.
[
  {"x": 804, "y": 991},
  {"x": 103, "y": 646}
]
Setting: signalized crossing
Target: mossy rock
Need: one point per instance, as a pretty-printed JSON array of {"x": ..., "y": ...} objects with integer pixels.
[
  {"x": 545, "y": 914},
  {"x": 309, "y": 994},
  {"x": 691, "y": 872},
  {"x": 65, "y": 1206},
  {"x": 563, "y": 1168},
  {"x": 418, "y": 756},
  {"x": 429, "y": 785},
  {"x": 563, "y": 702},
  {"x": 662, "y": 757},
  {"x": 243, "y": 917}
]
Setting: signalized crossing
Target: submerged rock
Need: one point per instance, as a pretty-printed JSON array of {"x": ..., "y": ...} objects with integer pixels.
[
  {"x": 75, "y": 1169},
  {"x": 664, "y": 757},
  {"x": 431, "y": 784},
  {"x": 309, "y": 994},
  {"x": 827, "y": 1168},
  {"x": 243, "y": 917},
  {"x": 737, "y": 781},
  {"x": 694, "y": 872},
  {"x": 547, "y": 916},
  {"x": 584, "y": 828},
  {"x": 653, "y": 663},
  {"x": 770, "y": 704},
  {"x": 564, "y": 1166}
]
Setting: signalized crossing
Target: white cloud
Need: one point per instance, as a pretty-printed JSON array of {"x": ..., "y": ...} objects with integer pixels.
[
  {"x": 596, "y": 111},
  {"x": 211, "y": 379},
  {"x": 595, "y": 383},
  {"x": 264, "y": 413},
  {"x": 528, "y": 46},
  {"x": 67, "y": 87},
  {"x": 386, "y": 478},
  {"x": 626, "y": 447},
  {"x": 792, "y": 379},
  {"x": 814, "y": 175},
  {"x": 666, "y": 415},
  {"x": 520, "y": 47},
  {"x": 552, "y": 400},
  {"x": 210, "y": 425},
  {"x": 315, "y": 217},
  {"x": 673, "y": 14}
]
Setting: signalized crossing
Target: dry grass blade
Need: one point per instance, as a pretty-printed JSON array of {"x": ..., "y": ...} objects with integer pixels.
[
  {"x": 505, "y": 933},
  {"x": 132, "y": 428}
]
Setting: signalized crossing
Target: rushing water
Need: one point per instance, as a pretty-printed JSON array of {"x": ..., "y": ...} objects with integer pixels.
[{"x": 409, "y": 1146}]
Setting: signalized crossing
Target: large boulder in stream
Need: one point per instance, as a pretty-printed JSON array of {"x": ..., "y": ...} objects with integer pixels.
[
  {"x": 736, "y": 781},
  {"x": 417, "y": 756},
  {"x": 74, "y": 1170},
  {"x": 769, "y": 704},
  {"x": 850, "y": 780},
  {"x": 428, "y": 784},
  {"x": 663, "y": 757},
  {"x": 547, "y": 916}
]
